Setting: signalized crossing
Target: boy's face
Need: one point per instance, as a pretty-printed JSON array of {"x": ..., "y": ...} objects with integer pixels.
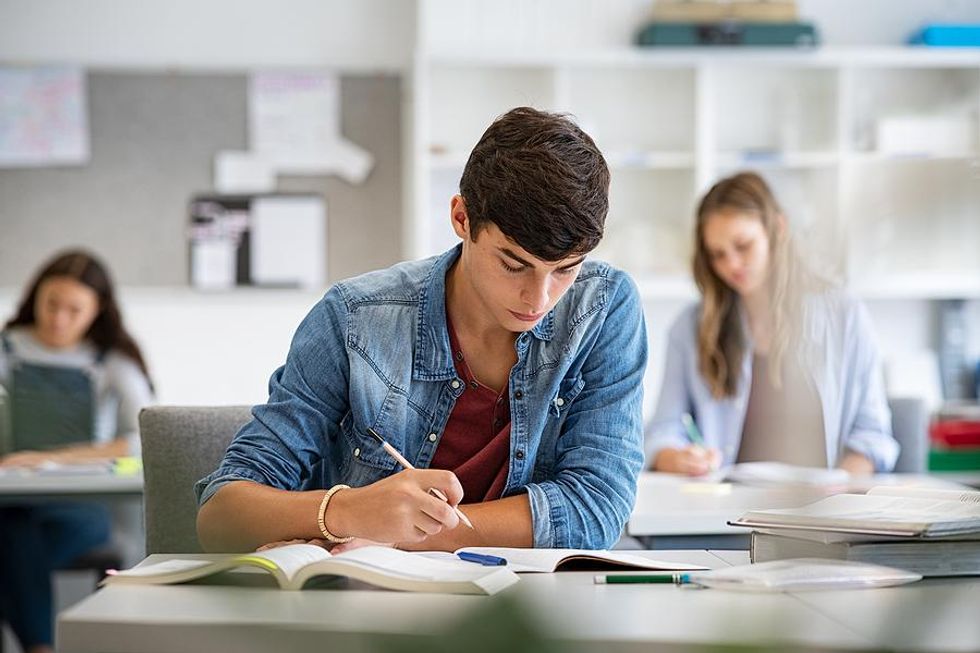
[{"x": 515, "y": 288}]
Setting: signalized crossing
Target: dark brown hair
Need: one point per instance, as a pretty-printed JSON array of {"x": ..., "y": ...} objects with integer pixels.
[
  {"x": 107, "y": 331},
  {"x": 541, "y": 180}
]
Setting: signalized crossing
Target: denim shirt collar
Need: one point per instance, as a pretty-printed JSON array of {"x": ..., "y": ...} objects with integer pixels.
[{"x": 433, "y": 353}]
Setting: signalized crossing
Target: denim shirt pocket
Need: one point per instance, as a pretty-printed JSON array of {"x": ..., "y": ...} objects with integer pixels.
[
  {"x": 561, "y": 401},
  {"x": 365, "y": 460}
]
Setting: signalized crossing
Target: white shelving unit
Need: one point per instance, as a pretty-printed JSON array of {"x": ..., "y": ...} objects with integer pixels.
[{"x": 894, "y": 223}]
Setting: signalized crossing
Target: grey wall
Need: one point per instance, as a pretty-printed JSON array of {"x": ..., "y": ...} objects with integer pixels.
[{"x": 153, "y": 139}]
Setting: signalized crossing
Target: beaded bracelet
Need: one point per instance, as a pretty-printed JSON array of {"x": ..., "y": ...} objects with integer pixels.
[{"x": 327, "y": 535}]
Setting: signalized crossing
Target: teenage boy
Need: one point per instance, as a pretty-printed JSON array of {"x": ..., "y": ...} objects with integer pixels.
[{"x": 508, "y": 371}]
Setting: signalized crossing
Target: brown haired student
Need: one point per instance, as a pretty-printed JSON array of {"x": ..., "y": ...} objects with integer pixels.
[{"x": 774, "y": 363}]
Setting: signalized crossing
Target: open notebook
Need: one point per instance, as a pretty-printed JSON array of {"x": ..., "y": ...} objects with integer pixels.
[
  {"x": 296, "y": 564},
  {"x": 549, "y": 560},
  {"x": 897, "y": 511}
]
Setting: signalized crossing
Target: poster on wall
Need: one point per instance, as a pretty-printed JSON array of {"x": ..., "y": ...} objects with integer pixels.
[{"x": 43, "y": 117}]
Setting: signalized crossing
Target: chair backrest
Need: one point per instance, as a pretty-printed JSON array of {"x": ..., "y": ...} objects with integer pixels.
[
  {"x": 910, "y": 426},
  {"x": 181, "y": 445}
]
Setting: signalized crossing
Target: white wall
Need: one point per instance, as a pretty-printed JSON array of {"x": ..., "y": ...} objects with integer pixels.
[{"x": 209, "y": 34}]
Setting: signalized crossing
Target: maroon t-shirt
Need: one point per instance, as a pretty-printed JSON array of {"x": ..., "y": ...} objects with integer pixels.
[{"x": 476, "y": 443}]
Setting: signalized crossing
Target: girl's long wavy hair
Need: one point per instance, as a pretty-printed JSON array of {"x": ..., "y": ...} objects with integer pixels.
[
  {"x": 721, "y": 338},
  {"x": 107, "y": 332}
]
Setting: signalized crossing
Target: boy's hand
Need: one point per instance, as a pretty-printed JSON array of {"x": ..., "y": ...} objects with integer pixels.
[{"x": 398, "y": 508}]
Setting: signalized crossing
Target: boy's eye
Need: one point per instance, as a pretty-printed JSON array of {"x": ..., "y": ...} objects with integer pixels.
[{"x": 512, "y": 269}]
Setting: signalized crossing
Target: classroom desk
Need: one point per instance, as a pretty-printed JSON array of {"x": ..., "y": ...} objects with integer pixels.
[
  {"x": 24, "y": 486},
  {"x": 565, "y": 609},
  {"x": 675, "y": 511}
]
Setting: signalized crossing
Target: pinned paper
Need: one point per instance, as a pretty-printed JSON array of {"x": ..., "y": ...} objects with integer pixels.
[
  {"x": 243, "y": 172},
  {"x": 43, "y": 118},
  {"x": 294, "y": 123}
]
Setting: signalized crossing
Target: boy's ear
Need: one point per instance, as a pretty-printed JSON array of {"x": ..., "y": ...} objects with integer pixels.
[{"x": 459, "y": 218}]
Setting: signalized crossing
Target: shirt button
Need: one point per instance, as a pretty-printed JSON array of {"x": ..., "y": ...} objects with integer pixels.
[
  {"x": 357, "y": 452},
  {"x": 518, "y": 394},
  {"x": 433, "y": 437},
  {"x": 559, "y": 402},
  {"x": 519, "y": 454},
  {"x": 459, "y": 355},
  {"x": 454, "y": 384}
]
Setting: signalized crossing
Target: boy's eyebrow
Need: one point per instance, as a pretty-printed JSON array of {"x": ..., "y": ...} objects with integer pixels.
[{"x": 517, "y": 258}]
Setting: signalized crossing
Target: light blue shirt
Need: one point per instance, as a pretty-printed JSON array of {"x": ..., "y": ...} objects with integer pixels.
[
  {"x": 839, "y": 355},
  {"x": 375, "y": 353}
]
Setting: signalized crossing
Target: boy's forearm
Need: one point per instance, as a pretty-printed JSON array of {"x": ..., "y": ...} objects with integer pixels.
[{"x": 243, "y": 516}]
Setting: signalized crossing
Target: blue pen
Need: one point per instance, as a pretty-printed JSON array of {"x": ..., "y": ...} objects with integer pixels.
[{"x": 481, "y": 559}]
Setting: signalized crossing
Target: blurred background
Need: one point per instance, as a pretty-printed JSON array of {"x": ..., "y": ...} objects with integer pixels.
[{"x": 230, "y": 160}]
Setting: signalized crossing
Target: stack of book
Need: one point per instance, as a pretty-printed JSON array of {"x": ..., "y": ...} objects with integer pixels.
[
  {"x": 955, "y": 438},
  {"x": 742, "y": 22},
  {"x": 927, "y": 531}
]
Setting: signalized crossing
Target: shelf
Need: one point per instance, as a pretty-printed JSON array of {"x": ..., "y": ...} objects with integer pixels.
[
  {"x": 887, "y": 157},
  {"x": 857, "y": 57},
  {"x": 924, "y": 285},
  {"x": 777, "y": 159},
  {"x": 656, "y": 160}
]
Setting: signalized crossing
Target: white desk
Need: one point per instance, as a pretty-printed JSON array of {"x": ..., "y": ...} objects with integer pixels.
[
  {"x": 565, "y": 608},
  {"x": 676, "y": 511},
  {"x": 20, "y": 486}
]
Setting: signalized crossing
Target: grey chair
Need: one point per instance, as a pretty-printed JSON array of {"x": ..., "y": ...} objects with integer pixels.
[
  {"x": 910, "y": 425},
  {"x": 180, "y": 446}
]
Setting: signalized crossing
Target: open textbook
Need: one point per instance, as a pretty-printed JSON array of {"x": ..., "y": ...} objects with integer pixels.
[
  {"x": 896, "y": 511},
  {"x": 549, "y": 560},
  {"x": 296, "y": 564}
]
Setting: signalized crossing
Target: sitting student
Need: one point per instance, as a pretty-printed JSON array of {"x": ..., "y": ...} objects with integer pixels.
[
  {"x": 75, "y": 382},
  {"x": 508, "y": 370},
  {"x": 773, "y": 363}
]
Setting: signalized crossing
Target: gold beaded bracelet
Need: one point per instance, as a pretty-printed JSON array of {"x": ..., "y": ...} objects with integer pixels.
[{"x": 327, "y": 535}]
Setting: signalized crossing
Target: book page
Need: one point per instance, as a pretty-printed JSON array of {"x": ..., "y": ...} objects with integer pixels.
[
  {"x": 908, "y": 514},
  {"x": 548, "y": 560},
  {"x": 962, "y": 496},
  {"x": 803, "y": 574},
  {"x": 165, "y": 568},
  {"x": 768, "y": 473},
  {"x": 288, "y": 559},
  {"x": 393, "y": 562}
]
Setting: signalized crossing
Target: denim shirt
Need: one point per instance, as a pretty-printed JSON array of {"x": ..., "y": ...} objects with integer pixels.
[
  {"x": 841, "y": 357},
  {"x": 374, "y": 352}
]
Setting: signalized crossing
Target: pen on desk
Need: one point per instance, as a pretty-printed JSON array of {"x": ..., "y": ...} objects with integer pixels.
[
  {"x": 401, "y": 460},
  {"x": 481, "y": 558},
  {"x": 693, "y": 434},
  {"x": 630, "y": 579}
]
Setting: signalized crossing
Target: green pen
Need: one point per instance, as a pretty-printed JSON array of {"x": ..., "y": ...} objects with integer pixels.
[
  {"x": 631, "y": 579},
  {"x": 693, "y": 434}
]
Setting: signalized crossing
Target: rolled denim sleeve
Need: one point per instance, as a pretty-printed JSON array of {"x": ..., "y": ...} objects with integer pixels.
[
  {"x": 666, "y": 429},
  {"x": 600, "y": 448},
  {"x": 870, "y": 432},
  {"x": 291, "y": 433}
]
